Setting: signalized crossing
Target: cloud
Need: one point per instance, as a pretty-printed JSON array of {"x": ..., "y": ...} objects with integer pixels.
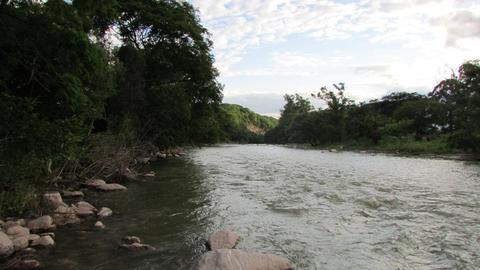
[{"x": 304, "y": 44}]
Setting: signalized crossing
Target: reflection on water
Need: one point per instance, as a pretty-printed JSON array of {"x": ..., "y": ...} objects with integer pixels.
[{"x": 321, "y": 210}]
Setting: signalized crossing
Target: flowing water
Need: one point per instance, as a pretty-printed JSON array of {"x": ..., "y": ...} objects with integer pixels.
[{"x": 321, "y": 210}]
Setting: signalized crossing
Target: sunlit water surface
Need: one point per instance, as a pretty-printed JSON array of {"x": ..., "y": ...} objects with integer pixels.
[{"x": 321, "y": 210}]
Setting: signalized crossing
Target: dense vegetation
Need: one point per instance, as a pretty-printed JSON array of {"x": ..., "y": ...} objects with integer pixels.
[
  {"x": 445, "y": 120},
  {"x": 87, "y": 80},
  {"x": 240, "y": 124}
]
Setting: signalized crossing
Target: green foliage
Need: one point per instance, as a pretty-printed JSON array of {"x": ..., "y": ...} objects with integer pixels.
[
  {"x": 446, "y": 120},
  {"x": 62, "y": 83},
  {"x": 242, "y": 125}
]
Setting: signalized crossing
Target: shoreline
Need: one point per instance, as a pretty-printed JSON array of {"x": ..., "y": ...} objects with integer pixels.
[{"x": 365, "y": 150}]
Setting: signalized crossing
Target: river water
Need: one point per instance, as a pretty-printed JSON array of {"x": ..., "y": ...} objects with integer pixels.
[{"x": 321, "y": 210}]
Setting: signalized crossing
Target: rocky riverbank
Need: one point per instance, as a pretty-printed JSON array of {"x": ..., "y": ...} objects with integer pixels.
[{"x": 20, "y": 238}]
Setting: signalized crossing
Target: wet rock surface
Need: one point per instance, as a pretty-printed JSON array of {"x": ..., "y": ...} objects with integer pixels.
[
  {"x": 222, "y": 240},
  {"x": 234, "y": 259}
]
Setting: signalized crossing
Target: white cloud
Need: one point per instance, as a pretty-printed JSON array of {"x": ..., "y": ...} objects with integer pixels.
[{"x": 428, "y": 37}]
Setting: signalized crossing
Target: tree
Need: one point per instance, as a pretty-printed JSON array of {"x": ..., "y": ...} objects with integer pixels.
[{"x": 338, "y": 105}]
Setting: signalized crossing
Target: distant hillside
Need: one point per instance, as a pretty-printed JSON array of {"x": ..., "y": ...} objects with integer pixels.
[{"x": 243, "y": 125}]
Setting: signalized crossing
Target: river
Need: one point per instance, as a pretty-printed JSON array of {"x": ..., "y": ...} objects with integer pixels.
[{"x": 321, "y": 210}]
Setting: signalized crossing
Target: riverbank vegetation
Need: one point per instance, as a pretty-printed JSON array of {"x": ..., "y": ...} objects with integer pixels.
[
  {"x": 89, "y": 85},
  {"x": 447, "y": 120}
]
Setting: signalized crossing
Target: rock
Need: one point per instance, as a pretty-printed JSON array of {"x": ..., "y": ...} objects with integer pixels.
[
  {"x": 43, "y": 223},
  {"x": 99, "y": 225},
  {"x": 26, "y": 252},
  {"x": 130, "y": 176},
  {"x": 33, "y": 237},
  {"x": 11, "y": 223},
  {"x": 20, "y": 243},
  {"x": 68, "y": 193},
  {"x": 53, "y": 199},
  {"x": 64, "y": 210},
  {"x": 17, "y": 231},
  {"x": 44, "y": 241},
  {"x": 149, "y": 174},
  {"x": 26, "y": 264},
  {"x": 83, "y": 208},
  {"x": 131, "y": 239},
  {"x": 2, "y": 224},
  {"x": 223, "y": 240},
  {"x": 6, "y": 246},
  {"x": 95, "y": 182},
  {"x": 104, "y": 212},
  {"x": 235, "y": 259},
  {"x": 51, "y": 234},
  {"x": 136, "y": 247},
  {"x": 143, "y": 160},
  {"x": 65, "y": 219},
  {"x": 333, "y": 150},
  {"x": 111, "y": 187}
]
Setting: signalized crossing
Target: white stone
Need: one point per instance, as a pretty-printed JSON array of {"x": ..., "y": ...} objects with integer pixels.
[{"x": 104, "y": 212}]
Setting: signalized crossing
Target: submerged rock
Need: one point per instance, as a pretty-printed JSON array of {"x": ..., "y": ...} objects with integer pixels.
[
  {"x": 149, "y": 174},
  {"x": 131, "y": 239},
  {"x": 223, "y": 240},
  {"x": 104, "y": 212},
  {"x": 6, "y": 246},
  {"x": 111, "y": 187},
  {"x": 133, "y": 243},
  {"x": 43, "y": 223},
  {"x": 136, "y": 247},
  {"x": 234, "y": 259},
  {"x": 24, "y": 264},
  {"x": 44, "y": 241},
  {"x": 99, "y": 225}
]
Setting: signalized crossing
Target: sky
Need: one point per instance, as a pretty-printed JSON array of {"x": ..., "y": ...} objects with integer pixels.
[{"x": 267, "y": 48}]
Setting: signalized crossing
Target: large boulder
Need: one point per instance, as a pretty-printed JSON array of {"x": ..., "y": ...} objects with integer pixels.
[
  {"x": 17, "y": 231},
  {"x": 223, "y": 240},
  {"x": 111, "y": 187},
  {"x": 104, "y": 212},
  {"x": 53, "y": 199},
  {"x": 6, "y": 246},
  {"x": 44, "y": 241},
  {"x": 235, "y": 259},
  {"x": 43, "y": 223}
]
